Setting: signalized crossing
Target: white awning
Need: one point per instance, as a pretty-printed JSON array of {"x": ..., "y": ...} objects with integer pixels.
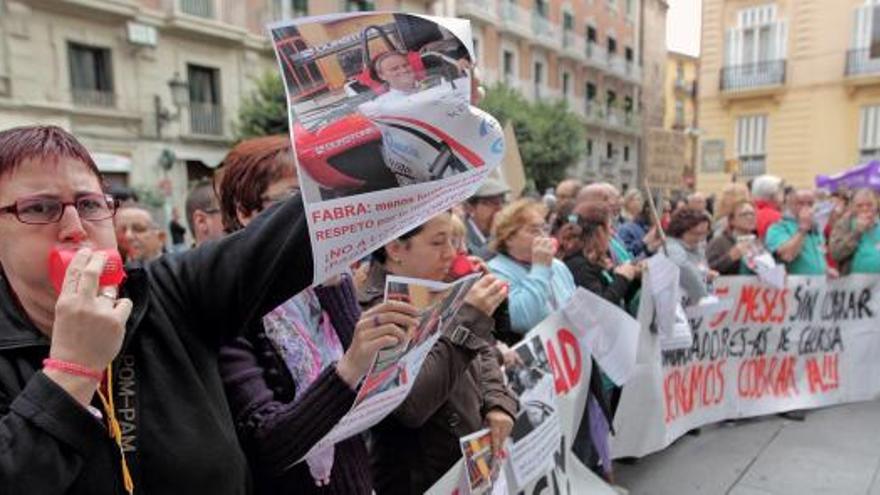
[
  {"x": 211, "y": 158},
  {"x": 110, "y": 163}
]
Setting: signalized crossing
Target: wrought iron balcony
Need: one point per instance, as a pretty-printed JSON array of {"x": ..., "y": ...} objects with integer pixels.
[
  {"x": 749, "y": 76},
  {"x": 859, "y": 62},
  {"x": 206, "y": 119},
  {"x": 93, "y": 98}
]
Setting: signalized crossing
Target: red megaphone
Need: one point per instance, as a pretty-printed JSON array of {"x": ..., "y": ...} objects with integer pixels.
[{"x": 60, "y": 258}]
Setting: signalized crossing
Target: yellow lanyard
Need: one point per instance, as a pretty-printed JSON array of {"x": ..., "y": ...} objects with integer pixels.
[{"x": 113, "y": 427}]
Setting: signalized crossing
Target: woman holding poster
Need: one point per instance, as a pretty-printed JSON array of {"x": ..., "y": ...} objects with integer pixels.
[
  {"x": 460, "y": 388},
  {"x": 306, "y": 355}
]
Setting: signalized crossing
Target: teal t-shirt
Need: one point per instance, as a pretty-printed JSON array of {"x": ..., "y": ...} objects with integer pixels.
[
  {"x": 867, "y": 256},
  {"x": 811, "y": 260}
]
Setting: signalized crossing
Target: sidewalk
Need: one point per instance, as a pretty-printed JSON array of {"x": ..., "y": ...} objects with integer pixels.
[{"x": 835, "y": 451}]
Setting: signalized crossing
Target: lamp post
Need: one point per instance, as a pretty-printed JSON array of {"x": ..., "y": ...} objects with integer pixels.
[{"x": 179, "y": 97}]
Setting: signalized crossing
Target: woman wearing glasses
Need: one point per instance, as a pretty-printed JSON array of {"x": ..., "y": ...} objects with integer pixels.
[
  {"x": 539, "y": 283},
  {"x": 107, "y": 395},
  {"x": 293, "y": 375}
]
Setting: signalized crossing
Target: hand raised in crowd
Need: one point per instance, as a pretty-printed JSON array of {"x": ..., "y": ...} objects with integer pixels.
[
  {"x": 382, "y": 326},
  {"x": 487, "y": 294},
  {"x": 89, "y": 325},
  {"x": 500, "y": 424},
  {"x": 628, "y": 271},
  {"x": 544, "y": 250},
  {"x": 805, "y": 219},
  {"x": 653, "y": 239}
]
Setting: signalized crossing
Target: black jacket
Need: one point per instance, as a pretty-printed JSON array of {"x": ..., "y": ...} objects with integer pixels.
[
  {"x": 178, "y": 432},
  {"x": 613, "y": 287}
]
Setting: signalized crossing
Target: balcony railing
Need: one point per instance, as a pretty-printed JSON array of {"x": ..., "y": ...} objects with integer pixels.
[
  {"x": 596, "y": 53},
  {"x": 200, "y": 8},
  {"x": 752, "y": 166},
  {"x": 743, "y": 77},
  {"x": 206, "y": 118},
  {"x": 484, "y": 9},
  {"x": 860, "y": 62},
  {"x": 514, "y": 18},
  {"x": 93, "y": 98}
]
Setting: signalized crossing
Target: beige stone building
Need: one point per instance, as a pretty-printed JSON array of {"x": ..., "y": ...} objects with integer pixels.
[
  {"x": 788, "y": 87},
  {"x": 583, "y": 51}
]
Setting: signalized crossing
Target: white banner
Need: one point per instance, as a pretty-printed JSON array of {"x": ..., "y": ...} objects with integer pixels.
[
  {"x": 382, "y": 127},
  {"x": 814, "y": 343}
]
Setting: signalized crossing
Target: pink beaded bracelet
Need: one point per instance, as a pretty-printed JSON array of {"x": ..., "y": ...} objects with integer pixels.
[{"x": 73, "y": 369}]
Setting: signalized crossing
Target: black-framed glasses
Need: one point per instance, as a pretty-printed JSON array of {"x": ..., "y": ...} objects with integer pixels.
[{"x": 42, "y": 210}]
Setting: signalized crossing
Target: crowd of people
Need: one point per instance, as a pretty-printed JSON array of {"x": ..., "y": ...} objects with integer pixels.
[{"x": 216, "y": 369}]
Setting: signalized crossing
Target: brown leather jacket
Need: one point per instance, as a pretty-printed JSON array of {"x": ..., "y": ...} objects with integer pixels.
[{"x": 456, "y": 387}]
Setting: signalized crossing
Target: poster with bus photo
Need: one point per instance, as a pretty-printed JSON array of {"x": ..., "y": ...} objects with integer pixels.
[{"x": 383, "y": 129}]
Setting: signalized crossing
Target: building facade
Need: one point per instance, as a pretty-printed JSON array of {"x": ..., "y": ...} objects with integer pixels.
[
  {"x": 680, "y": 118},
  {"x": 789, "y": 87},
  {"x": 583, "y": 51},
  {"x": 151, "y": 87}
]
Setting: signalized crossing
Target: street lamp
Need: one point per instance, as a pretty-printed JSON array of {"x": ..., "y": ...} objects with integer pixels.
[{"x": 179, "y": 97}]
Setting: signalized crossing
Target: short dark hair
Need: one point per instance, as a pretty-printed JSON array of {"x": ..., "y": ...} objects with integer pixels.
[
  {"x": 43, "y": 142},
  {"x": 200, "y": 197},
  {"x": 685, "y": 219}
]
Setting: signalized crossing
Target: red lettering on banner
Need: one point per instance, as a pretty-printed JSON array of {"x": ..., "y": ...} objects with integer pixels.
[
  {"x": 567, "y": 372},
  {"x": 698, "y": 386},
  {"x": 571, "y": 356},
  {"x": 721, "y": 292},
  {"x": 823, "y": 376},
  {"x": 763, "y": 376},
  {"x": 559, "y": 382},
  {"x": 759, "y": 304},
  {"x": 339, "y": 212}
]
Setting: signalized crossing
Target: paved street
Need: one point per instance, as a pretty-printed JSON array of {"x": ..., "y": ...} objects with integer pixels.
[{"x": 835, "y": 451}]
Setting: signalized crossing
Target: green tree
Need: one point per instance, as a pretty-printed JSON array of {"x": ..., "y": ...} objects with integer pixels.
[
  {"x": 265, "y": 111},
  {"x": 551, "y": 137}
]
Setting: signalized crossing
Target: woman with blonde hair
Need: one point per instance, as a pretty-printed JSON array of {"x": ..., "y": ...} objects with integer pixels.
[
  {"x": 731, "y": 194},
  {"x": 539, "y": 283}
]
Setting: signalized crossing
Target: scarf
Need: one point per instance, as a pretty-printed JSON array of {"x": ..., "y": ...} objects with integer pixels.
[{"x": 305, "y": 339}]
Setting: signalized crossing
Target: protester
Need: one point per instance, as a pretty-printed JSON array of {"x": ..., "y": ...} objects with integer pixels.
[
  {"x": 731, "y": 194},
  {"x": 640, "y": 236},
  {"x": 686, "y": 247},
  {"x": 593, "y": 268},
  {"x": 568, "y": 189},
  {"x": 139, "y": 236},
  {"x": 697, "y": 201},
  {"x": 606, "y": 194},
  {"x": 728, "y": 252},
  {"x": 306, "y": 355},
  {"x": 158, "y": 342},
  {"x": 539, "y": 283},
  {"x": 481, "y": 209},
  {"x": 767, "y": 194},
  {"x": 796, "y": 241},
  {"x": 460, "y": 388},
  {"x": 855, "y": 237},
  {"x": 633, "y": 203},
  {"x": 203, "y": 213},
  {"x": 177, "y": 231}
]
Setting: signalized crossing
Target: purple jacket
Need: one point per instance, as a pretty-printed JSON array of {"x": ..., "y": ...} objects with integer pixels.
[{"x": 277, "y": 423}]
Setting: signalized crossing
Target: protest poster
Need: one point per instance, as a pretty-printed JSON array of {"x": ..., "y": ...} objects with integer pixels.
[
  {"x": 383, "y": 132},
  {"x": 483, "y": 468},
  {"x": 810, "y": 344},
  {"x": 568, "y": 358},
  {"x": 394, "y": 370},
  {"x": 536, "y": 428}
]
